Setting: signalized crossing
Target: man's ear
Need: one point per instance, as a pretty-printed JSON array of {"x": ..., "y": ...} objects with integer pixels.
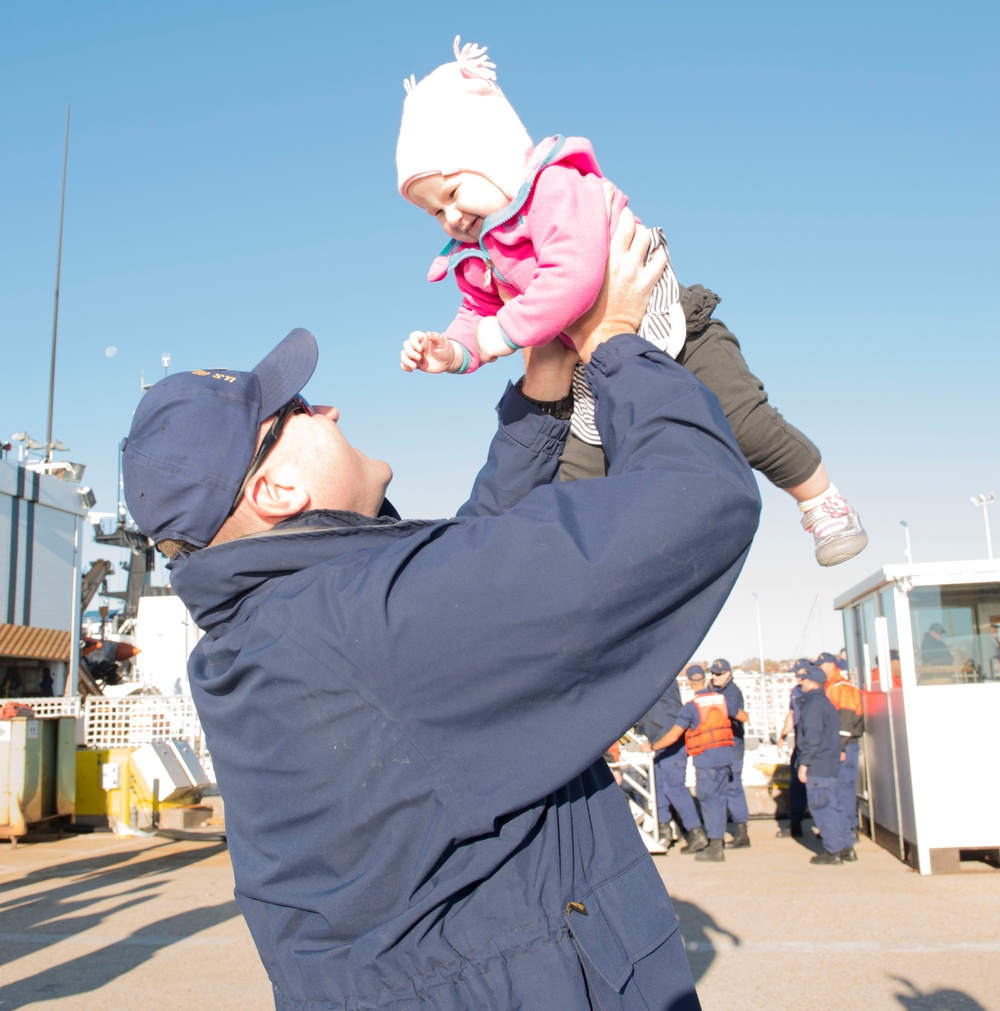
[{"x": 274, "y": 496}]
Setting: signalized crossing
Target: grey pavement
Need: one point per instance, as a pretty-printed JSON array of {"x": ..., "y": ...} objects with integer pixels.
[{"x": 95, "y": 921}]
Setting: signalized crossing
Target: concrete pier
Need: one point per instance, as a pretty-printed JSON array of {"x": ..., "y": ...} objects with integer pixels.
[{"x": 95, "y": 921}]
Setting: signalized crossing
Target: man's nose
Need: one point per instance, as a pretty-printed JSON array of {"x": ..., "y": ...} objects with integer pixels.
[{"x": 333, "y": 413}]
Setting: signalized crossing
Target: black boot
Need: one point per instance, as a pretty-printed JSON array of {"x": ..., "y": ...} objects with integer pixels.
[
  {"x": 740, "y": 837},
  {"x": 696, "y": 841},
  {"x": 714, "y": 853}
]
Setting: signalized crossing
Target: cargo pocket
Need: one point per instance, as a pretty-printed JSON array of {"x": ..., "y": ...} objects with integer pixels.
[{"x": 619, "y": 922}]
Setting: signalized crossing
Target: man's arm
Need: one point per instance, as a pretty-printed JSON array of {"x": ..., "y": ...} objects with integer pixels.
[{"x": 672, "y": 736}]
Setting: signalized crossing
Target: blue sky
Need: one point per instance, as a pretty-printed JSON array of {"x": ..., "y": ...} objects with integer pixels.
[{"x": 829, "y": 170}]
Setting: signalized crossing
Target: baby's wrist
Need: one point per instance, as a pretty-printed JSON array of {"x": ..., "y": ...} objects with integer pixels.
[{"x": 460, "y": 357}]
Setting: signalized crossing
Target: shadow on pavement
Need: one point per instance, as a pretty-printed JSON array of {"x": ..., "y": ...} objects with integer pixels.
[
  {"x": 937, "y": 1000},
  {"x": 695, "y": 926},
  {"x": 84, "y": 894}
]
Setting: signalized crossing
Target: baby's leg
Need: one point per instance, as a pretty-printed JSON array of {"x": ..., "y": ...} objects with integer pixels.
[
  {"x": 783, "y": 454},
  {"x": 581, "y": 460}
]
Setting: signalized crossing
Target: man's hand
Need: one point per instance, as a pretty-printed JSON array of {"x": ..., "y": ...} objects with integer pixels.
[
  {"x": 803, "y": 773},
  {"x": 628, "y": 283},
  {"x": 428, "y": 352}
]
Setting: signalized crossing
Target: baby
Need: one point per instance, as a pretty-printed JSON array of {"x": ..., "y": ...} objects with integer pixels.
[{"x": 529, "y": 230}]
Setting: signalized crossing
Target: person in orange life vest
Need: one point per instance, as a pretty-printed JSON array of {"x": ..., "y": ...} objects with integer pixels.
[
  {"x": 846, "y": 699},
  {"x": 897, "y": 677},
  {"x": 705, "y": 723},
  {"x": 818, "y": 737},
  {"x": 736, "y": 800}
]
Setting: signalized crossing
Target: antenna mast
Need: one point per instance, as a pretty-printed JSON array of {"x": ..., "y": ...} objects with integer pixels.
[{"x": 55, "y": 318}]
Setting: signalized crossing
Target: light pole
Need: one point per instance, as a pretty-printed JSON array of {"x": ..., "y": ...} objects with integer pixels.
[
  {"x": 985, "y": 501},
  {"x": 906, "y": 530}
]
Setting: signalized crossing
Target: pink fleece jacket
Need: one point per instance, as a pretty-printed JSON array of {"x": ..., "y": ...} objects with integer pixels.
[{"x": 546, "y": 249}]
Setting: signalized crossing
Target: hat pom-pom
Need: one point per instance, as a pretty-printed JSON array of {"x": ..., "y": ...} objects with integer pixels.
[{"x": 473, "y": 61}]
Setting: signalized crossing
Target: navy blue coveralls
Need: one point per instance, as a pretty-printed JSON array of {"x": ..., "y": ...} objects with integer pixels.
[
  {"x": 797, "y": 802},
  {"x": 818, "y": 736},
  {"x": 670, "y": 764},
  {"x": 399, "y": 836},
  {"x": 713, "y": 770},
  {"x": 736, "y": 799}
]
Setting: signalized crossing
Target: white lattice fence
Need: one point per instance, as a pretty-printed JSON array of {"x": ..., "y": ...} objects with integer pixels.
[
  {"x": 47, "y": 706},
  {"x": 143, "y": 719}
]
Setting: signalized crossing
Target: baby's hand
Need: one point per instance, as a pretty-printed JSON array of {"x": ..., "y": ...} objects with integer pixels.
[
  {"x": 427, "y": 351},
  {"x": 489, "y": 340}
]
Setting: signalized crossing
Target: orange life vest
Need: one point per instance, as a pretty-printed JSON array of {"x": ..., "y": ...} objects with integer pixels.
[
  {"x": 714, "y": 730},
  {"x": 844, "y": 695},
  {"x": 846, "y": 699}
]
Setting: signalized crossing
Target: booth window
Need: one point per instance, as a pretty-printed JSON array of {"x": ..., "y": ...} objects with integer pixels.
[{"x": 955, "y": 633}]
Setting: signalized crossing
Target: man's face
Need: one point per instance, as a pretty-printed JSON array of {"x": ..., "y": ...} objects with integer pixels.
[
  {"x": 807, "y": 684},
  {"x": 460, "y": 202},
  {"x": 721, "y": 679},
  {"x": 831, "y": 670},
  {"x": 336, "y": 475}
]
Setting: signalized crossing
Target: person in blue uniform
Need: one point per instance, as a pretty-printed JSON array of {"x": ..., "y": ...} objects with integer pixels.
[
  {"x": 797, "y": 803},
  {"x": 736, "y": 798},
  {"x": 818, "y": 735},
  {"x": 705, "y": 723},
  {"x": 846, "y": 699},
  {"x": 670, "y": 768},
  {"x": 370, "y": 687}
]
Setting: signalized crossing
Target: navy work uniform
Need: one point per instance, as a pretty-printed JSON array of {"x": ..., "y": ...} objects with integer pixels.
[
  {"x": 846, "y": 699},
  {"x": 670, "y": 763},
  {"x": 736, "y": 800},
  {"x": 818, "y": 735},
  {"x": 708, "y": 735}
]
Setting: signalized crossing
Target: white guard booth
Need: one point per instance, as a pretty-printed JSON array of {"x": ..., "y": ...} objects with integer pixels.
[{"x": 923, "y": 639}]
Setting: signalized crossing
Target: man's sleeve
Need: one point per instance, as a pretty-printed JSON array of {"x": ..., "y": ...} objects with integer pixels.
[
  {"x": 523, "y": 455},
  {"x": 550, "y": 627}
]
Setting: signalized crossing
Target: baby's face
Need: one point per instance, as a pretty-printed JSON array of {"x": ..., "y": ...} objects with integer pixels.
[{"x": 460, "y": 201}]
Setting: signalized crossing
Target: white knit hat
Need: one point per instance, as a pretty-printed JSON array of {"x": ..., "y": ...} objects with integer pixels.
[{"x": 457, "y": 120}]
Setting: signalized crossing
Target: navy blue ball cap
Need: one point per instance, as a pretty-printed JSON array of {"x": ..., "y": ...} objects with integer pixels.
[
  {"x": 720, "y": 667},
  {"x": 825, "y": 658},
  {"x": 194, "y": 435},
  {"x": 812, "y": 672},
  {"x": 695, "y": 672}
]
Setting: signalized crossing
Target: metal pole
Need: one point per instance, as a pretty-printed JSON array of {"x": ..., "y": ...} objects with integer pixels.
[
  {"x": 906, "y": 530},
  {"x": 986, "y": 521},
  {"x": 55, "y": 317},
  {"x": 766, "y": 732},
  {"x": 985, "y": 501}
]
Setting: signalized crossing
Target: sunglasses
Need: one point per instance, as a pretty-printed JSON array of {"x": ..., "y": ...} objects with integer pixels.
[{"x": 297, "y": 405}]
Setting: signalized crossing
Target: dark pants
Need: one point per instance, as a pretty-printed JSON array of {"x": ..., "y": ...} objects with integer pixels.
[
  {"x": 848, "y": 779},
  {"x": 796, "y": 792},
  {"x": 824, "y": 803},
  {"x": 771, "y": 445},
  {"x": 711, "y": 786},
  {"x": 671, "y": 791},
  {"x": 736, "y": 799}
]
